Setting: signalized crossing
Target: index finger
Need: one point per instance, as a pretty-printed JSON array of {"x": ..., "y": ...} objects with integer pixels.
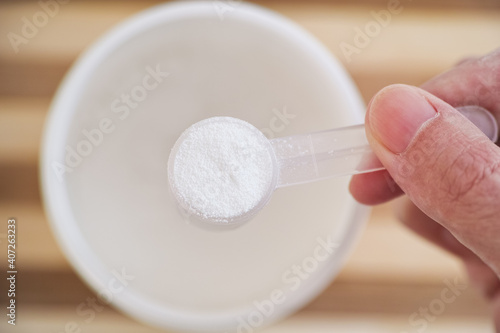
[{"x": 473, "y": 82}]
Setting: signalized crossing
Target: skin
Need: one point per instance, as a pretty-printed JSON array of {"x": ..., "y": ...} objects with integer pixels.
[{"x": 446, "y": 169}]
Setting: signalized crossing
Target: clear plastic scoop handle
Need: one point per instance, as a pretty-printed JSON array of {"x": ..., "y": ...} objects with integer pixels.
[{"x": 343, "y": 151}]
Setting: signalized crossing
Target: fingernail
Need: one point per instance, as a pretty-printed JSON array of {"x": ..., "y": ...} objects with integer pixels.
[{"x": 396, "y": 114}]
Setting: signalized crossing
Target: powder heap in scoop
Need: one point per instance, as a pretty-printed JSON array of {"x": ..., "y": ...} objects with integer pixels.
[{"x": 222, "y": 168}]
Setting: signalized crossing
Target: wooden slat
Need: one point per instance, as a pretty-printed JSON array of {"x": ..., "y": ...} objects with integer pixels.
[
  {"x": 386, "y": 252},
  {"x": 390, "y": 253},
  {"x": 19, "y": 183},
  {"x": 416, "y": 45},
  {"x": 37, "y": 249},
  {"x": 21, "y": 125},
  {"x": 43, "y": 320},
  {"x": 37, "y": 289}
]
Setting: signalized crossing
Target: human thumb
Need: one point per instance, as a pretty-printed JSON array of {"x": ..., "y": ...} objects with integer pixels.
[{"x": 446, "y": 165}]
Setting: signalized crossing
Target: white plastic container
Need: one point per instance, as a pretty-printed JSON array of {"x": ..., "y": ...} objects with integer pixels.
[{"x": 104, "y": 166}]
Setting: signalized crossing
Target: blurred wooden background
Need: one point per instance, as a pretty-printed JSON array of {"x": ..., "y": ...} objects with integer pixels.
[{"x": 391, "y": 273}]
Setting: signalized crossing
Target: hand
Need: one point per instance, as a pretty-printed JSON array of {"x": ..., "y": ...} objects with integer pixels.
[{"x": 448, "y": 169}]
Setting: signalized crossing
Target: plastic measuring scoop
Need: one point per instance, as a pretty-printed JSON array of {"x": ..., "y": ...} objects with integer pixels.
[
  {"x": 345, "y": 151},
  {"x": 309, "y": 157}
]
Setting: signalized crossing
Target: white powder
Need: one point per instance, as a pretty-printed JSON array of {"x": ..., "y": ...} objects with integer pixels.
[{"x": 221, "y": 168}]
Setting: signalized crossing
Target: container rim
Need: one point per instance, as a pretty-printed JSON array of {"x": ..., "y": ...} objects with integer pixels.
[{"x": 54, "y": 191}]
